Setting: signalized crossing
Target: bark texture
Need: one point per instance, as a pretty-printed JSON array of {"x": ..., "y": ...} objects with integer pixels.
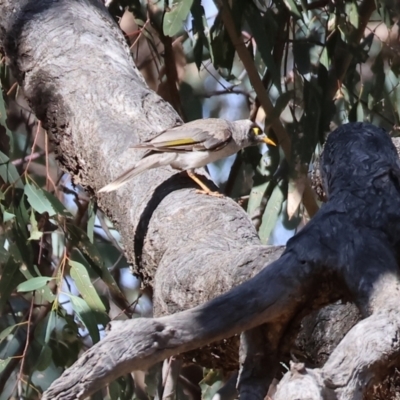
[{"x": 76, "y": 70}]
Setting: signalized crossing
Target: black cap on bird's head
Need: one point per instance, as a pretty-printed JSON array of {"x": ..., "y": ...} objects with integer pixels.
[{"x": 355, "y": 154}]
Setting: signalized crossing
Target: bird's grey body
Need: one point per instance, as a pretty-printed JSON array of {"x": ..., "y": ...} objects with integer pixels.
[{"x": 193, "y": 145}]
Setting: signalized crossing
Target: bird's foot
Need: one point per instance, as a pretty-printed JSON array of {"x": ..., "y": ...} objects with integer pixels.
[{"x": 209, "y": 193}]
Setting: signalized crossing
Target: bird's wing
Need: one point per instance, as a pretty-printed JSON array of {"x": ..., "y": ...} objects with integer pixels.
[{"x": 189, "y": 138}]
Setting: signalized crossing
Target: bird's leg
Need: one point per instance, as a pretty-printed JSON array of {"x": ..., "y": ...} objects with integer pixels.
[{"x": 205, "y": 189}]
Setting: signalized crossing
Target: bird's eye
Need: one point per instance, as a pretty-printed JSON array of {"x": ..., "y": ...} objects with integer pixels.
[{"x": 256, "y": 130}]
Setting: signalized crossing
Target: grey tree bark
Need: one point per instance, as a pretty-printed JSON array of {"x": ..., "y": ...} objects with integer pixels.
[{"x": 77, "y": 73}]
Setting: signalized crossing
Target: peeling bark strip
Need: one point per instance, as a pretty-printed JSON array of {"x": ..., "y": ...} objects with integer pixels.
[{"x": 80, "y": 80}]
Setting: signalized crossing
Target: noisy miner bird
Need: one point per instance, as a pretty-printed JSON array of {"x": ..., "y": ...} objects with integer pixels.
[{"x": 193, "y": 145}]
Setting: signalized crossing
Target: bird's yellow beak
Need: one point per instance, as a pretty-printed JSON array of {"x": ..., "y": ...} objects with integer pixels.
[
  {"x": 269, "y": 141},
  {"x": 257, "y": 131}
]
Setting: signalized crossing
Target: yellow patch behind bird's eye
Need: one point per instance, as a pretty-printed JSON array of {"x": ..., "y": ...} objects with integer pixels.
[{"x": 256, "y": 130}]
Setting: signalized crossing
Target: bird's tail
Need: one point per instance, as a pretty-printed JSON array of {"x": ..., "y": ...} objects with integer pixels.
[{"x": 149, "y": 162}]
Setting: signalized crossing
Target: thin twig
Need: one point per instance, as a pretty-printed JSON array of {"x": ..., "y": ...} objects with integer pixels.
[
  {"x": 34, "y": 145},
  {"x": 30, "y": 157}
]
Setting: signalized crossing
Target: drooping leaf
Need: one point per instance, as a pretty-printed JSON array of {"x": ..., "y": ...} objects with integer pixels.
[
  {"x": 34, "y": 283},
  {"x": 80, "y": 240},
  {"x": 296, "y": 188},
  {"x": 222, "y": 51},
  {"x": 3, "y": 118},
  {"x": 91, "y": 220},
  {"x": 45, "y": 358},
  {"x": 176, "y": 16},
  {"x": 87, "y": 317},
  {"x": 81, "y": 277},
  {"x": 353, "y": 14},
  {"x": 4, "y": 363},
  {"x": 3, "y": 255},
  {"x": 10, "y": 277},
  {"x": 265, "y": 42},
  {"x": 256, "y": 196},
  {"x": 8, "y": 172},
  {"x": 360, "y": 112},
  {"x": 221, "y": 47},
  {"x": 8, "y": 331},
  {"x": 35, "y": 234},
  {"x": 211, "y": 383},
  {"x": 199, "y": 23},
  {"x": 7, "y": 216},
  {"x": 42, "y": 201},
  {"x": 324, "y": 58},
  {"x": 271, "y": 214},
  {"x": 293, "y": 8},
  {"x": 43, "y": 292}
]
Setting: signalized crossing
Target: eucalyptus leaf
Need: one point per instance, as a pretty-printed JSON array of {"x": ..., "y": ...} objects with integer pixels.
[
  {"x": 87, "y": 316},
  {"x": 3, "y": 118},
  {"x": 35, "y": 233},
  {"x": 45, "y": 358},
  {"x": 10, "y": 277},
  {"x": 4, "y": 363},
  {"x": 271, "y": 214},
  {"x": 89, "y": 250},
  {"x": 265, "y": 42},
  {"x": 34, "y": 283},
  {"x": 293, "y": 8},
  {"x": 91, "y": 220},
  {"x": 176, "y": 16},
  {"x": 8, "y": 331},
  {"x": 81, "y": 277},
  {"x": 256, "y": 196},
  {"x": 42, "y": 201},
  {"x": 8, "y": 172}
]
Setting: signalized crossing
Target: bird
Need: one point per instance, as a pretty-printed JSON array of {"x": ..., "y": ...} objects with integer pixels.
[{"x": 193, "y": 145}]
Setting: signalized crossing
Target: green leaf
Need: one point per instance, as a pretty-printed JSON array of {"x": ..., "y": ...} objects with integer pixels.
[
  {"x": 280, "y": 104},
  {"x": 265, "y": 42},
  {"x": 360, "y": 112},
  {"x": 44, "y": 359},
  {"x": 81, "y": 277},
  {"x": 87, "y": 316},
  {"x": 8, "y": 172},
  {"x": 42, "y": 293},
  {"x": 324, "y": 58},
  {"x": 296, "y": 186},
  {"x": 271, "y": 214},
  {"x": 175, "y": 17},
  {"x": 81, "y": 241},
  {"x": 353, "y": 14},
  {"x": 42, "y": 201},
  {"x": 3, "y": 118},
  {"x": 6, "y": 332},
  {"x": 4, "y": 363},
  {"x": 7, "y": 216},
  {"x": 35, "y": 233},
  {"x": 199, "y": 23},
  {"x": 212, "y": 382},
  {"x": 293, "y": 8},
  {"x": 4, "y": 254},
  {"x": 10, "y": 277},
  {"x": 115, "y": 390},
  {"x": 91, "y": 220},
  {"x": 222, "y": 50},
  {"x": 34, "y": 284},
  {"x": 256, "y": 196}
]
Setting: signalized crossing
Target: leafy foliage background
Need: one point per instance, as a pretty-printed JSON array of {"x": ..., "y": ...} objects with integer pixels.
[{"x": 63, "y": 273}]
